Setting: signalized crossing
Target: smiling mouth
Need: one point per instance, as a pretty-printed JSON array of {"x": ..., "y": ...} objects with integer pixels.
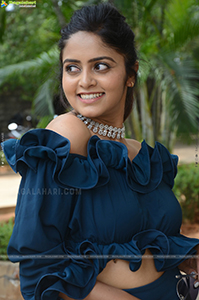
[{"x": 90, "y": 96}]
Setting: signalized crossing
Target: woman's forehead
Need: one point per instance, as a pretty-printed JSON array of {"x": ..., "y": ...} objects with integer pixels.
[{"x": 87, "y": 44}]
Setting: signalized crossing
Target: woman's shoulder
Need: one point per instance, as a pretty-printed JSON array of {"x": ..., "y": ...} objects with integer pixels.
[
  {"x": 134, "y": 143},
  {"x": 133, "y": 147},
  {"x": 70, "y": 127}
]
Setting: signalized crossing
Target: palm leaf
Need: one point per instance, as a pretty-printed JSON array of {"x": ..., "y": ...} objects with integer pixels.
[
  {"x": 43, "y": 102},
  {"x": 41, "y": 64},
  {"x": 180, "y": 82},
  {"x": 181, "y": 22}
]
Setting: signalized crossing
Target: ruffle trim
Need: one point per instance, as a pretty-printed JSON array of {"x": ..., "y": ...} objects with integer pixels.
[
  {"x": 79, "y": 276},
  {"x": 144, "y": 173}
]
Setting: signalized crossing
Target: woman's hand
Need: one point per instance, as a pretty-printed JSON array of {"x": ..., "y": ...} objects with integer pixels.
[
  {"x": 102, "y": 291},
  {"x": 191, "y": 265}
]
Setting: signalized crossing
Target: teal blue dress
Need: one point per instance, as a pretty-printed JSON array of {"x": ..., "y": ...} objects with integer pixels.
[{"x": 76, "y": 213}]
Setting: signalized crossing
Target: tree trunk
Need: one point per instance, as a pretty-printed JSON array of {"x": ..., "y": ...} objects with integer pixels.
[
  {"x": 146, "y": 117},
  {"x": 59, "y": 14}
]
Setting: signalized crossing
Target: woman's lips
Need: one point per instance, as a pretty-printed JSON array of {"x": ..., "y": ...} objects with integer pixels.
[{"x": 90, "y": 98}]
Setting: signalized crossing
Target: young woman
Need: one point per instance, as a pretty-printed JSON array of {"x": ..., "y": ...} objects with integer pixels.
[{"x": 96, "y": 217}]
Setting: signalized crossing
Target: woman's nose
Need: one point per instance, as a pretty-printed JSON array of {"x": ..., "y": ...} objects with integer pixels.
[{"x": 87, "y": 79}]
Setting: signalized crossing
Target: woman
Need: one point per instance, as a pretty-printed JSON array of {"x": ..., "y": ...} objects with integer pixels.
[{"x": 96, "y": 217}]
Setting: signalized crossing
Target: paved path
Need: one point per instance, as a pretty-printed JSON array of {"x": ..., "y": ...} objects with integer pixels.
[
  {"x": 8, "y": 189},
  {"x": 187, "y": 154}
]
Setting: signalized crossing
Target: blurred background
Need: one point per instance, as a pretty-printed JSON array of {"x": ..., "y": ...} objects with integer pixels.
[{"x": 166, "y": 104}]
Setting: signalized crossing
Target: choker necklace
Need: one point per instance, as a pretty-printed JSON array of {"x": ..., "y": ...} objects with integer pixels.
[{"x": 104, "y": 130}]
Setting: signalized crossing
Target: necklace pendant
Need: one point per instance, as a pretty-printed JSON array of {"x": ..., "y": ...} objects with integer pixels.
[
  {"x": 113, "y": 135},
  {"x": 100, "y": 132},
  {"x": 104, "y": 132}
]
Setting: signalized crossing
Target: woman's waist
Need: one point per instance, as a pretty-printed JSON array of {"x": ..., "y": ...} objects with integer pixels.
[{"x": 117, "y": 273}]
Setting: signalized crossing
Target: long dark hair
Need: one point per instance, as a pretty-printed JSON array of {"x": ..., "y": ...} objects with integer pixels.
[{"x": 105, "y": 21}]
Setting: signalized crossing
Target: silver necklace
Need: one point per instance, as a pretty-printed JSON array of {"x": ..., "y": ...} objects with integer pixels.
[{"x": 104, "y": 130}]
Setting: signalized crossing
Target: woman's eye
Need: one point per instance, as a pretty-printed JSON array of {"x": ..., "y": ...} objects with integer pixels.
[
  {"x": 101, "y": 67},
  {"x": 72, "y": 69}
]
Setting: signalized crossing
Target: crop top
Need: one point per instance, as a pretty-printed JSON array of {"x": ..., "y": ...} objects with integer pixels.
[{"x": 75, "y": 213}]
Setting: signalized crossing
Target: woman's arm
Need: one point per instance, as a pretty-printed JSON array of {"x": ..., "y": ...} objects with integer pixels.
[{"x": 102, "y": 291}]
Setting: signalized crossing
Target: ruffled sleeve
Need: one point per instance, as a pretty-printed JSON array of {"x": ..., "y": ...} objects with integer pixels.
[
  {"x": 151, "y": 166},
  {"x": 44, "y": 208},
  {"x": 68, "y": 170}
]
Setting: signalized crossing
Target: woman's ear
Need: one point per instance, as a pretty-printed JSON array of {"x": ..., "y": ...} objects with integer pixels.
[{"x": 131, "y": 80}]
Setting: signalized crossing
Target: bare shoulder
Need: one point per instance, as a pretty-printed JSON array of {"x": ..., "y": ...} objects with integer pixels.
[
  {"x": 134, "y": 143},
  {"x": 133, "y": 147},
  {"x": 69, "y": 126}
]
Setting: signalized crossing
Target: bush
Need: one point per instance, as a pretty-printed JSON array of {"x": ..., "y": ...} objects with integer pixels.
[
  {"x": 3, "y": 160},
  {"x": 5, "y": 234},
  {"x": 186, "y": 189}
]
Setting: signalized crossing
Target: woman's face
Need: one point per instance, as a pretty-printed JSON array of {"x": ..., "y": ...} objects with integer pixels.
[{"x": 94, "y": 78}]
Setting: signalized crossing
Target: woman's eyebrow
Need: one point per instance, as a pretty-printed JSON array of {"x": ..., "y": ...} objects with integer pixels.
[
  {"x": 90, "y": 60},
  {"x": 101, "y": 58},
  {"x": 71, "y": 60}
]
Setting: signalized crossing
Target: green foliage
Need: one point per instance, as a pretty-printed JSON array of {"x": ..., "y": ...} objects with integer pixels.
[
  {"x": 5, "y": 234},
  {"x": 186, "y": 189},
  {"x": 30, "y": 38},
  {"x": 182, "y": 22},
  {"x": 167, "y": 37},
  {"x": 43, "y": 122},
  {"x": 2, "y": 24},
  {"x": 3, "y": 160},
  {"x": 24, "y": 38}
]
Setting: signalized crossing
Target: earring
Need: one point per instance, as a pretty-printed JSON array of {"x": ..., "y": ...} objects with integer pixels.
[{"x": 131, "y": 84}]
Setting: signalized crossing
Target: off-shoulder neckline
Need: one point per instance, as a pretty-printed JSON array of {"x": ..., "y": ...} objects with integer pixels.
[
  {"x": 143, "y": 174},
  {"x": 101, "y": 141}
]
